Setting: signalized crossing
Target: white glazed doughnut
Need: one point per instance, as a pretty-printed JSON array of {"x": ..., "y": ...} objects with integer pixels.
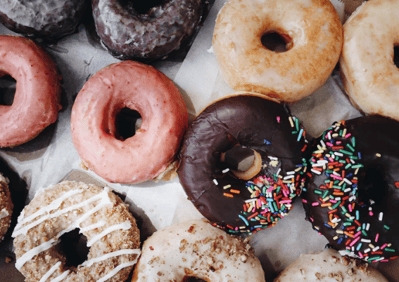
[
  {"x": 195, "y": 248},
  {"x": 369, "y": 75},
  {"x": 311, "y": 29},
  {"x": 329, "y": 266}
]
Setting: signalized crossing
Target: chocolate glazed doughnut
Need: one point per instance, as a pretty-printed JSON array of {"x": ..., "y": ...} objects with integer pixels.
[
  {"x": 43, "y": 19},
  {"x": 231, "y": 203},
  {"x": 129, "y": 34},
  {"x": 353, "y": 193}
]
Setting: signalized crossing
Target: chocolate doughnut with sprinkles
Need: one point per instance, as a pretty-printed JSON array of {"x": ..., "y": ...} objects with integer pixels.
[
  {"x": 353, "y": 193},
  {"x": 220, "y": 157}
]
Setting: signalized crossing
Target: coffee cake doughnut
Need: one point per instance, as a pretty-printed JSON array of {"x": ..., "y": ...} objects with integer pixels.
[{"x": 6, "y": 206}]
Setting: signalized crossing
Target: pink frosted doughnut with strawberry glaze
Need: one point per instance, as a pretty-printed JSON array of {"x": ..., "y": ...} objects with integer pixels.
[
  {"x": 153, "y": 147},
  {"x": 38, "y": 90}
]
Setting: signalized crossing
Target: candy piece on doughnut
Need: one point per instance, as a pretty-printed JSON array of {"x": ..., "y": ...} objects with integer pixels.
[
  {"x": 129, "y": 34},
  {"x": 49, "y": 19},
  {"x": 38, "y": 90},
  {"x": 327, "y": 266},
  {"x": 352, "y": 195},
  {"x": 6, "y": 206},
  {"x": 311, "y": 29},
  {"x": 234, "y": 204},
  {"x": 368, "y": 72},
  {"x": 152, "y": 149},
  {"x": 194, "y": 248},
  {"x": 99, "y": 214}
]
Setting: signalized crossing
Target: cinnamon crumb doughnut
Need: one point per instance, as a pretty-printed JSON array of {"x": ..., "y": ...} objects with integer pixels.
[
  {"x": 6, "y": 206},
  {"x": 100, "y": 215},
  {"x": 196, "y": 249}
]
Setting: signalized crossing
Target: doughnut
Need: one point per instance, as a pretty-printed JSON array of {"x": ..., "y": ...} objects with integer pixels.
[
  {"x": 353, "y": 190},
  {"x": 152, "y": 149},
  {"x": 38, "y": 90},
  {"x": 311, "y": 30},
  {"x": 371, "y": 34},
  {"x": 99, "y": 214},
  {"x": 42, "y": 19},
  {"x": 329, "y": 265},
  {"x": 222, "y": 195},
  {"x": 6, "y": 206},
  {"x": 194, "y": 248},
  {"x": 134, "y": 31}
]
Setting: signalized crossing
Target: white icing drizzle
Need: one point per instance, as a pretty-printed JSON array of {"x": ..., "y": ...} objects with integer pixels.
[
  {"x": 124, "y": 226},
  {"x": 61, "y": 277},
  {"x": 35, "y": 251},
  {"x": 101, "y": 223},
  {"x": 50, "y": 272},
  {"x": 90, "y": 262},
  {"x": 115, "y": 271},
  {"x": 4, "y": 213}
]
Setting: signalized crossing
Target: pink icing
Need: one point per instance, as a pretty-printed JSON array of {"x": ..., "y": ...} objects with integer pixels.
[
  {"x": 164, "y": 120},
  {"x": 37, "y": 96}
]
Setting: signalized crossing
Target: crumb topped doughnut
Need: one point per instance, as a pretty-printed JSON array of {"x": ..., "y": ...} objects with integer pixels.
[
  {"x": 352, "y": 195},
  {"x": 38, "y": 90},
  {"x": 99, "y": 214},
  {"x": 152, "y": 149},
  {"x": 327, "y": 266},
  {"x": 6, "y": 206},
  {"x": 313, "y": 34},
  {"x": 368, "y": 72},
  {"x": 196, "y": 249},
  {"x": 250, "y": 123}
]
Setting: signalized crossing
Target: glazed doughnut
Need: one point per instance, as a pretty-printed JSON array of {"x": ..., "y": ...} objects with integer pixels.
[
  {"x": 38, "y": 90},
  {"x": 352, "y": 195},
  {"x": 6, "y": 206},
  {"x": 42, "y": 19},
  {"x": 129, "y": 34},
  {"x": 327, "y": 266},
  {"x": 313, "y": 34},
  {"x": 152, "y": 149},
  {"x": 99, "y": 214},
  {"x": 229, "y": 202},
  {"x": 371, "y": 34},
  {"x": 194, "y": 248}
]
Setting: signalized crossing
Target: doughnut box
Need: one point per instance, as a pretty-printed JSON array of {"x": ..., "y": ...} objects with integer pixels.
[{"x": 51, "y": 157}]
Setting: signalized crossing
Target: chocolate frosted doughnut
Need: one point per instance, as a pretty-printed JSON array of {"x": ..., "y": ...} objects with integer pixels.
[
  {"x": 129, "y": 34},
  {"x": 353, "y": 193},
  {"x": 44, "y": 19},
  {"x": 234, "y": 204}
]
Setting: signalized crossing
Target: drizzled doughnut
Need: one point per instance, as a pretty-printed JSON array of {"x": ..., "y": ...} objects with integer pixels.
[
  {"x": 229, "y": 200},
  {"x": 100, "y": 215},
  {"x": 196, "y": 249},
  {"x": 353, "y": 191},
  {"x": 6, "y": 206}
]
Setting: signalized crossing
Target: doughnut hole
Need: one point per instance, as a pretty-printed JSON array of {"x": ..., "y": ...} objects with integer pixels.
[
  {"x": 396, "y": 55},
  {"x": 7, "y": 90},
  {"x": 277, "y": 41},
  {"x": 127, "y": 122},
  {"x": 73, "y": 246},
  {"x": 142, "y": 7}
]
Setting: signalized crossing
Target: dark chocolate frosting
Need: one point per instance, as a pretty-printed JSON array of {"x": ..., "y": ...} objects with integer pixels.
[
  {"x": 42, "y": 19},
  {"x": 257, "y": 123},
  {"x": 353, "y": 196},
  {"x": 128, "y": 34}
]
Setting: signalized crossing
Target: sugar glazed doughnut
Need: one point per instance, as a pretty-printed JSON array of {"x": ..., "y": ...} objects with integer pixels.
[
  {"x": 38, "y": 90},
  {"x": 129, "y": 34},
  {"x": 6, "y": 206},
  {"x": 372, "y": 87},
  {"x": 42, "y": 19},
  {"x": 100, "y": 215},
  {"x": 233, "y": 126},
  {"x": 352, "y": 195},
  {"x": 329, "y": 265},
  {"x": 152, "y": 149},
  {"x": 196, "y": 249},
  {"x": 313, "y": 34}
]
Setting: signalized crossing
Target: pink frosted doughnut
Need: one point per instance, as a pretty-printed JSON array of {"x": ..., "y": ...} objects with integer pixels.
[
  {"x": 37, "y": 95},
  {"x": 152, "y": 149}
]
